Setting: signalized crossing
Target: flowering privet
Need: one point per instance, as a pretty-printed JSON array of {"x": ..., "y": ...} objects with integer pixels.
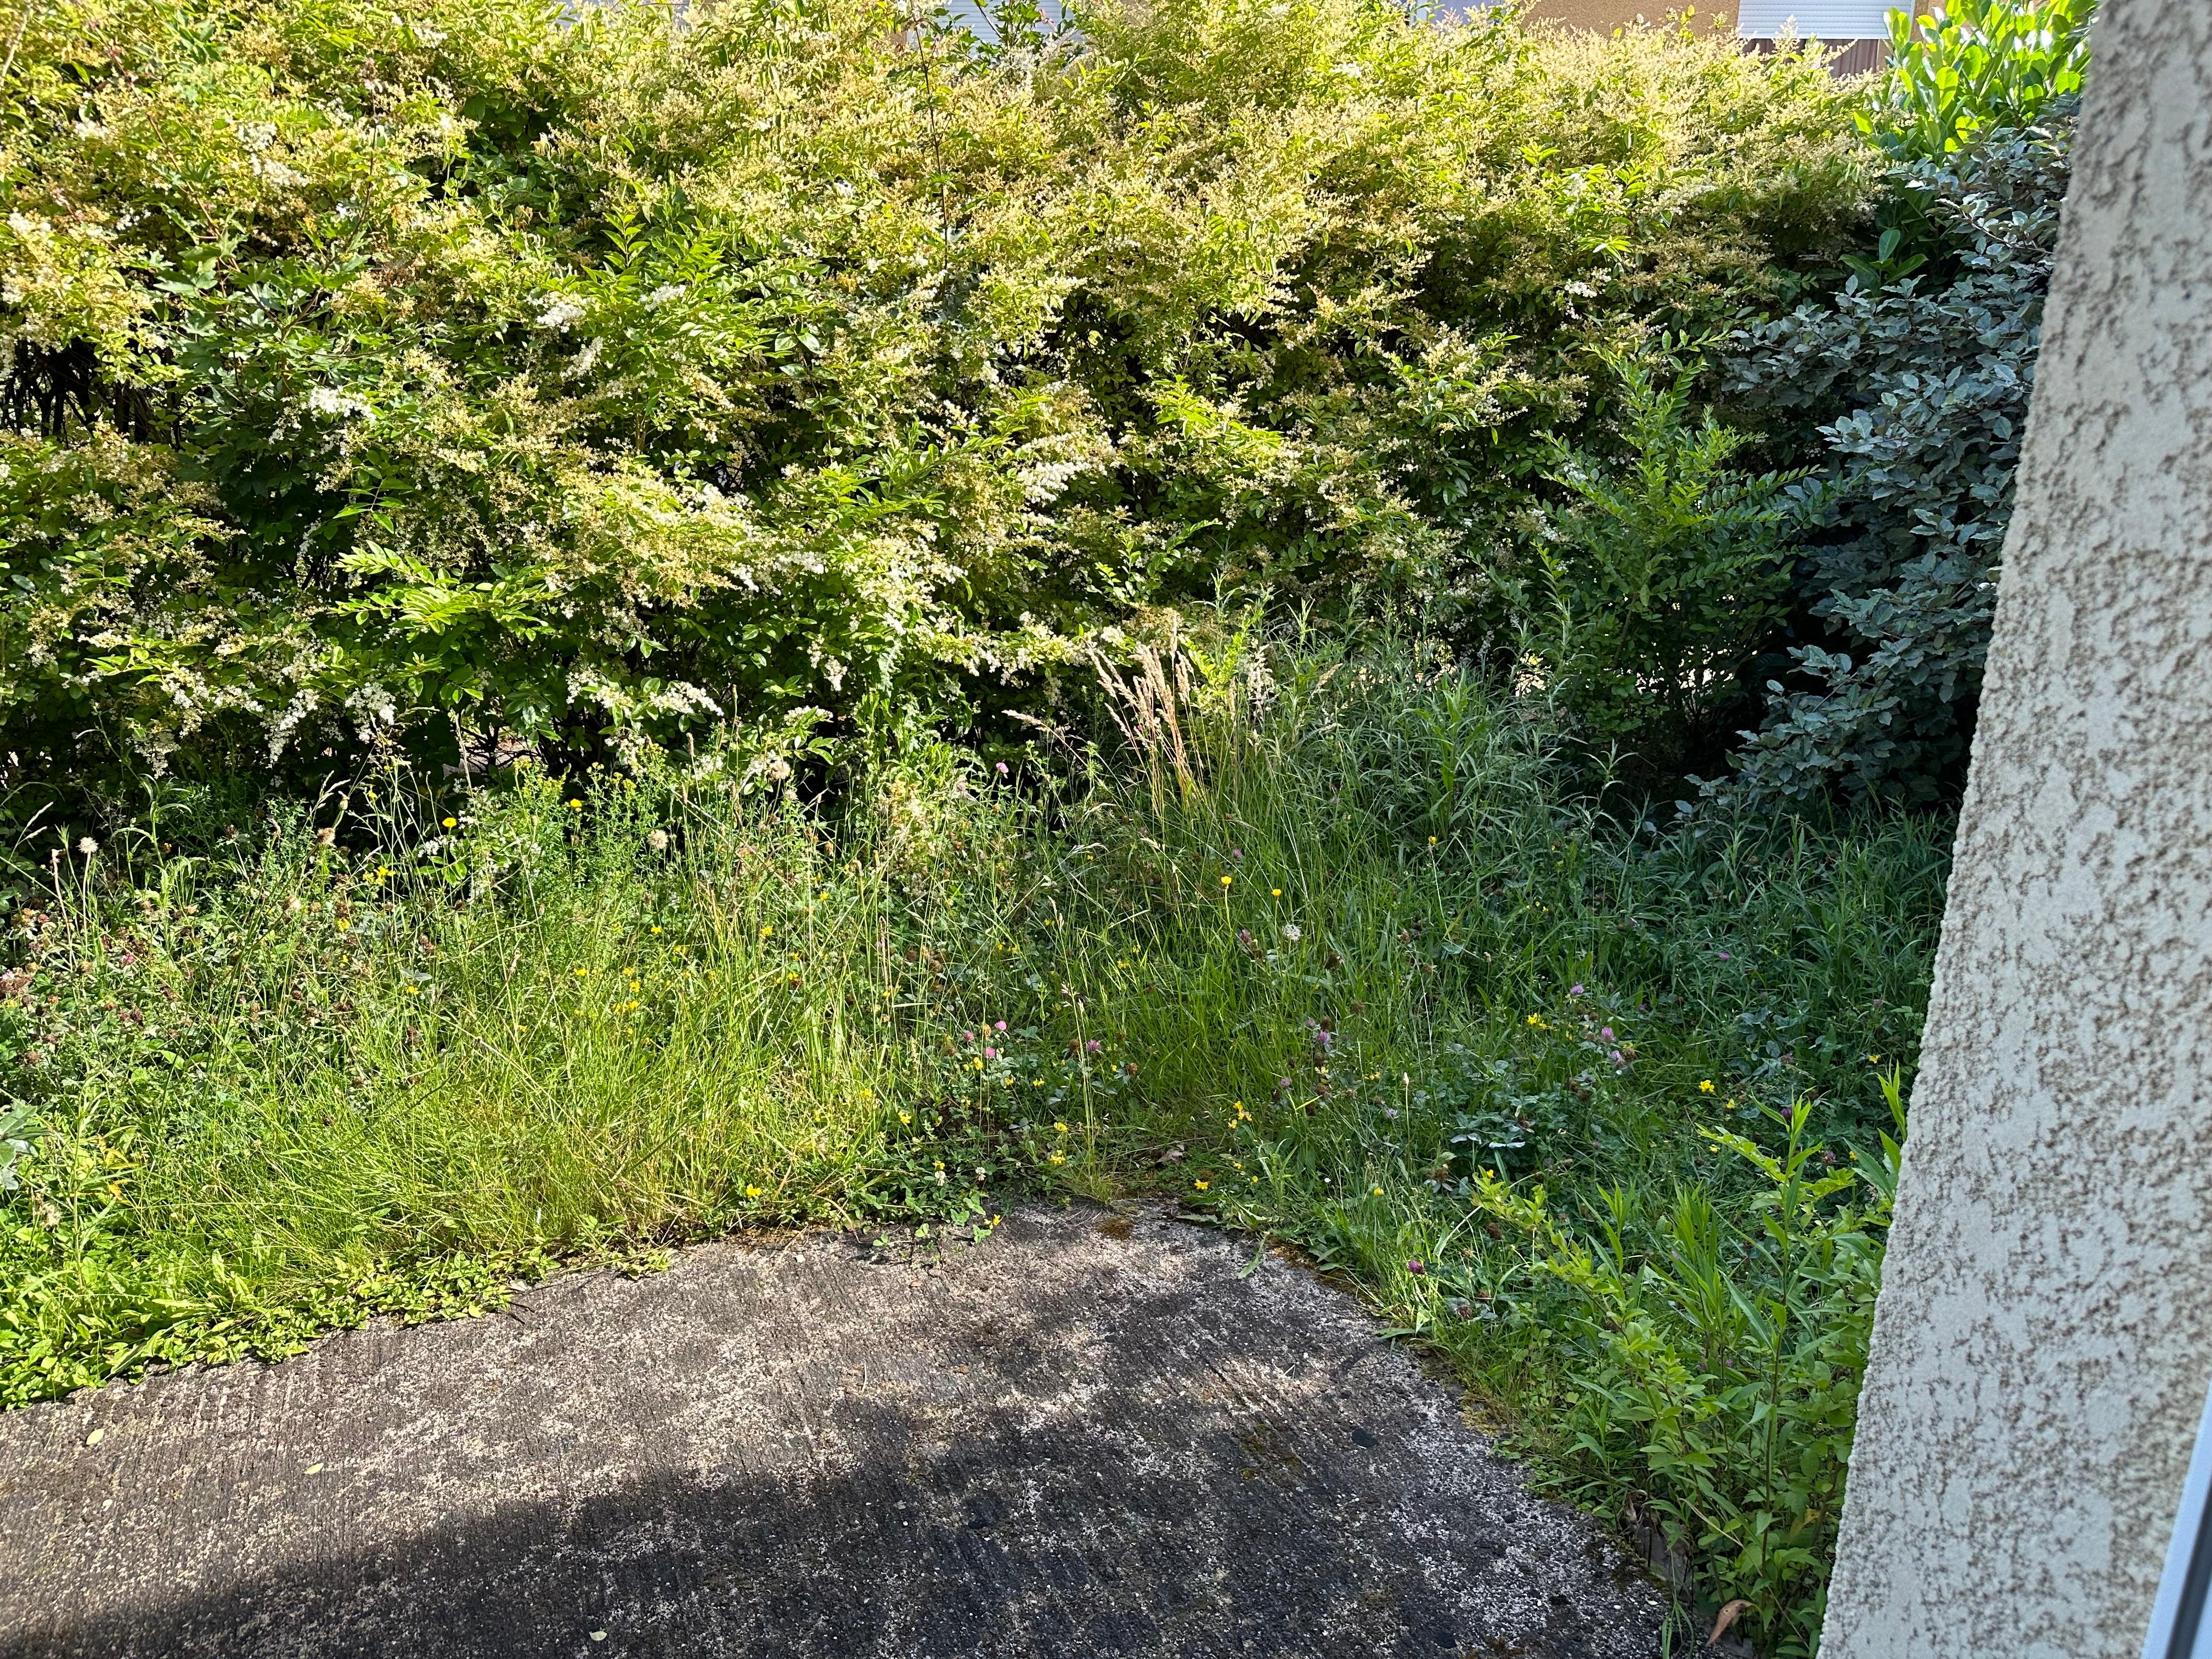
[{"x": 373, "y": 373}]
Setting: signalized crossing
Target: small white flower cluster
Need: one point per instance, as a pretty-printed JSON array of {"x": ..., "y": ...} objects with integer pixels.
[
  {"x": 1043, "y": 483},
  {"x": 328, "y": 401},
  {"x": 586, "y": 361},
  {"x": 665, "y": 293},
  {"x": 560, "y": 311},
  {"x": 371, "y": 707}
]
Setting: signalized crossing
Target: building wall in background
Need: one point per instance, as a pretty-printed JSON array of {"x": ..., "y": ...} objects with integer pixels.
[
  {"x": 1821, "y": 20},
  {"x": 1858, "y": 26}
]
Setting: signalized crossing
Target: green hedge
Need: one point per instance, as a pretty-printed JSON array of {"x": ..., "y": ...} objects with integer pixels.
[{"x": 391, "y": 374}]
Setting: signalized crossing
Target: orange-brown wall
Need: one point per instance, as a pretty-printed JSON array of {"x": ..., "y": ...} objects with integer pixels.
[
  {"x": 1603, "y": 16},
  {"x": 1607, "y": 16}
]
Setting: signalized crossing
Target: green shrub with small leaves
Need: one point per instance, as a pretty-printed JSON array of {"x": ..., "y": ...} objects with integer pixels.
[
  {"x": 1914, "y": 379},
  {"x": 1662, "y": 573},
  {"x": 1918, "y": 380},
  {"x": 465, "y": 375}
]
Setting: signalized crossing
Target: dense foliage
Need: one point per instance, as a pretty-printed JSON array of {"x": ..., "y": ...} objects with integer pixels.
[
  {"x": 446, "y": 371},
  {"x": 1660, "y": 574},
  {"x": 1335, "y": 951},
  {"x": 1914, "y": 378},
  {"x": 1966, "y": 67},
  {"x": 578, "y": 439},
  {"x": 1924, "y": 367}
]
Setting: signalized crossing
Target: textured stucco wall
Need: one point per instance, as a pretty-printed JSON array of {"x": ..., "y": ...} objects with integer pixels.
[{"x": 2044, "y": 1333}]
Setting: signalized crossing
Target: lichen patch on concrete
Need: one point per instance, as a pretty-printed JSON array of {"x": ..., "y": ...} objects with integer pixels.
[{"x": 1073, "y": 1439}]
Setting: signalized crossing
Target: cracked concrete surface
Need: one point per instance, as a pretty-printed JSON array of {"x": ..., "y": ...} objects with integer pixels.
[{"x": 1089, "y": 1435}]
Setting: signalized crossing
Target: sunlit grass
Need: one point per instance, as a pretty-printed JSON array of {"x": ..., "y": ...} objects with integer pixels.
[{"x": 1342, "y": 952}]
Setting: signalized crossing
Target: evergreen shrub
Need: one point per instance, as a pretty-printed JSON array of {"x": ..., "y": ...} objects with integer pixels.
[{"x": 466, "y": 378}]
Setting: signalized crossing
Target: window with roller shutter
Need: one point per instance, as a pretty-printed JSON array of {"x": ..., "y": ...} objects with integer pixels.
[{"x": 1860, "y": 26}]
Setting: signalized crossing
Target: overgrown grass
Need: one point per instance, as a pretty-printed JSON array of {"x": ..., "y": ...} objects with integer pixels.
[{"x": 1332, "y": 948}]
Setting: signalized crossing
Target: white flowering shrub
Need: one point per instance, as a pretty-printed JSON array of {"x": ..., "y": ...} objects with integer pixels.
[{"x": 458, "y": 373}]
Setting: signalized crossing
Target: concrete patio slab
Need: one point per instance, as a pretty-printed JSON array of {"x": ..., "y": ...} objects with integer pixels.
[{"x": 1088, "y": 1435}]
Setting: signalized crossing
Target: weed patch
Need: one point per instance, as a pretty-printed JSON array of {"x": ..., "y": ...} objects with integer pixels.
[{"x": 1329, "y": 948}]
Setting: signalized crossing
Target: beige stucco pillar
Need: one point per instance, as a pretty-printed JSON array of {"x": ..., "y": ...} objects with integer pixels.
[{"x": 2043, "y": 1337}]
